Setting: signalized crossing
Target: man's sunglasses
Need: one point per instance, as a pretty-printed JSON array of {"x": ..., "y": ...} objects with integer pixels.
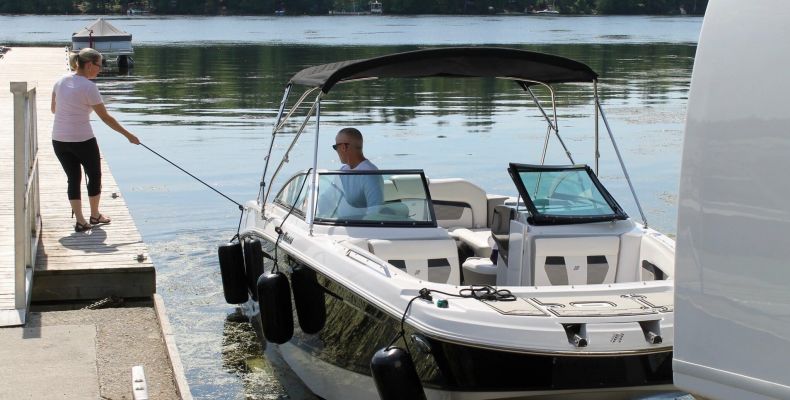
[{"x": 334, "y": 146}]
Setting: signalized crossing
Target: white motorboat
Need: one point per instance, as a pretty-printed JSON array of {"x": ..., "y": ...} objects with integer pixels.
[{"x": 403, "y": 295}]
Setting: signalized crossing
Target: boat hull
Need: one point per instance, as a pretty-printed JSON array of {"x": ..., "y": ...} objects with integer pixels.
[{"x": 337, "y": 358}]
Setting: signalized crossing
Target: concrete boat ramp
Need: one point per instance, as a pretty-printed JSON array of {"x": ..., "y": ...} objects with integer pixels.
[{"x": 78, "y": 311}]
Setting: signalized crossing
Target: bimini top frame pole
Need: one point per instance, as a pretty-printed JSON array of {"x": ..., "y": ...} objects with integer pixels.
[
  {"x": 619, "y": 157},
  {"x": 271, "y": 144},
  {"x": 597, "y": 135},
  {"x": 296, "y": 136},
  {"x": 314, "y": 177},
  {"x": 553, "y": 126}
]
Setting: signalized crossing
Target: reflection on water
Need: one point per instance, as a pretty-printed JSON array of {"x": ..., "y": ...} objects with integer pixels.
[
  {"x": 211, "y": 110},
  {"x": 228, "y": 82},
  {"x": 242, "y": 355}
]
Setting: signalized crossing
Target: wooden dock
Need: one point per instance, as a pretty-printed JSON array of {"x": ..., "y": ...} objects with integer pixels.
[
  {"x": 65, "y": 350},
  {"x": 109, "y": 260}
]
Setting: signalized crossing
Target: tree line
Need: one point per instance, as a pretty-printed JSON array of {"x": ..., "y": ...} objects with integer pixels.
[{"x": 319, "y": 7}]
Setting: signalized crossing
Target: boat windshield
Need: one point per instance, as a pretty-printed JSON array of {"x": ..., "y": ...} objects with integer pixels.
[
  {"x": 380, "y": 198},
  {"x": 564, "y": 194}
]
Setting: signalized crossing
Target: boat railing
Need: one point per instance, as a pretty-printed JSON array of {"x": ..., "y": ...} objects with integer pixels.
[
  {"x": 280, "y": 124},
  {"x": 27, "y": 211}
]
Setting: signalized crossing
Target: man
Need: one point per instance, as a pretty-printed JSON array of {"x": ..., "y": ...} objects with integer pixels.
[{"x": 359, "y": 191}]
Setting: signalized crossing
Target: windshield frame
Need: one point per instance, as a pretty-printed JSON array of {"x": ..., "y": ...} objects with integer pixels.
[
  {"x": 538, "y": 218},
  {"x": 432, "y": 223},
  {"x": 299, "y": 212}
]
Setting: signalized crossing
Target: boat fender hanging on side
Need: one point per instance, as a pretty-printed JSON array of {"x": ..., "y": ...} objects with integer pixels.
[
  {"x": 274, "y": 298},
  {"x": 231, "y": 267},
  {"x": 395, "y": 375},
  {"x": 308, "y": 299},
  {"x": 253, "y": 264}
]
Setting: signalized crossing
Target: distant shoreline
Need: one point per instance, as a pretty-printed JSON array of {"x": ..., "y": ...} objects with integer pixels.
[
  {"x": 354, "y": 7},
  {"x": 346, "y": 14},
  {"x": 422, "y": 30}
]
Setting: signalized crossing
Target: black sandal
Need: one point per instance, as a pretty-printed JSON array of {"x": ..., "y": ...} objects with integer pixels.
[
  {"x": 101, "y": 219},
  {"x": 78, "y": 227}
]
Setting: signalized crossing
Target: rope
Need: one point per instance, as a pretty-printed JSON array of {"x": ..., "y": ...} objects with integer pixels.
[
  {"x": 238, "y": 229},
  {"x": 196, "y": 178},
  {"x": 106, "y": 302},
  {"x": 279, "y": 228},
  {"x": 402, "y": 332},
  {"x": 479, "y": 292},
  {"x": 484, "y": 292}
]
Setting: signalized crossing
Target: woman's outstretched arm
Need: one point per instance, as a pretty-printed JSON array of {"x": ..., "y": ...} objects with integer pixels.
[{"x": 108, "y": 119}]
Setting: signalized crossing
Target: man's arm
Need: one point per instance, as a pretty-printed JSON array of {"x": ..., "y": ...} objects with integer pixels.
[{"x": 374, "y": 191}]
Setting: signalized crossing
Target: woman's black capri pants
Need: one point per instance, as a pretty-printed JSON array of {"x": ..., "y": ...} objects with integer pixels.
[{"x": 73, "y": 154}]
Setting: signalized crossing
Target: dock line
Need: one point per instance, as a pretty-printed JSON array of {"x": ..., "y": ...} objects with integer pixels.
[{"x": 194, "y": 177}]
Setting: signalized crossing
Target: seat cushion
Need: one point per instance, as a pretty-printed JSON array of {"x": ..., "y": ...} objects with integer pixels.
[
  {"x": 479, "y": 271},
  {"x": 461, "y": 192},
  {"x": 479, "y": 240}
]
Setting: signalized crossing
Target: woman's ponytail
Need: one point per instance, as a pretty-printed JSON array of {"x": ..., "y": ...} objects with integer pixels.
[{"x": 73, "y": 56}]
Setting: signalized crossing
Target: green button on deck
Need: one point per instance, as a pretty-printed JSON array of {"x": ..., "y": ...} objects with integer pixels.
[{"x": 441, "y": 303}]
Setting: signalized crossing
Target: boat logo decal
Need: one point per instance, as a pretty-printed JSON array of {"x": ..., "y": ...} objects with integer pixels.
[{"x": 617, "y": 338}]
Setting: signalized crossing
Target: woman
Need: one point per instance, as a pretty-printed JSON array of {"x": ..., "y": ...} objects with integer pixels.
[{"x": 74, "y": 97}]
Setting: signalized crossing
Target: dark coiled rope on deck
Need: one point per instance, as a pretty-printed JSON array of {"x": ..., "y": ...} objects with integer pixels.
[{"x": 479, "y": 292}]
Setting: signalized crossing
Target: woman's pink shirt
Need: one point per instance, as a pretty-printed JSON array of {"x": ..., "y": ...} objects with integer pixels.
[{"x": 75, "y": 97}]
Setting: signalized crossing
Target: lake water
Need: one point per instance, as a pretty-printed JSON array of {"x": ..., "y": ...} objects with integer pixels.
[{"x": 205, "y": 91}]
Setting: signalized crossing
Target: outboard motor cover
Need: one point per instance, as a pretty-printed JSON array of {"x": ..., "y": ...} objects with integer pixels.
[
  {"x": 231, "y": 267},
  {"x": 253, "y": 262},
  {"x": 395, "y": 375},
  {"x": 309, "y": 299},
  {"x": 274, "y": 297}
]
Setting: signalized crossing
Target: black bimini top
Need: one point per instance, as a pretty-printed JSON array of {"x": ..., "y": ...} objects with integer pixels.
[{"x": 469, "y": 62}]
